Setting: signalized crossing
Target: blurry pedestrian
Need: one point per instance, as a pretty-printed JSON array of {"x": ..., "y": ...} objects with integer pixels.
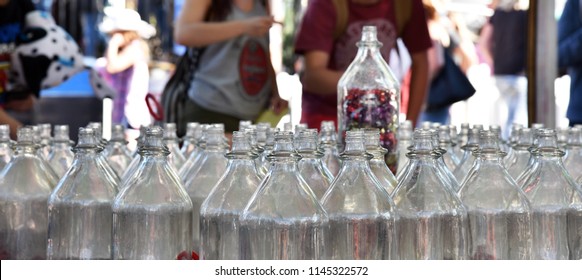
[{"x": 570, "y": 55}]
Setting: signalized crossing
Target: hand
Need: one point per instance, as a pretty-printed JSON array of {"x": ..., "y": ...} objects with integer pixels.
[
  {"x": 258, "y": 26},
  {"x": 278, "y": 104},
  {"x": 117, "y": 39}
]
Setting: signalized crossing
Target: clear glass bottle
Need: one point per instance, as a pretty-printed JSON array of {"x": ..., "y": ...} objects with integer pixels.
[
  {"x": 6, "y": 152},
  {"x": 205, "y": 175},
  {"x": 446, "y": 144},
  {"x": 441, "y": 165},
  {"x": 267, "y": 150},
  {"x": 328, "y": 143},
  {"x": 432, "y": 218},
  {"x": 369, "y": 95},
  {"x": 45, "y": 139},
  {"x": 172, "y": 141},
  {"x": 283, "y": 219},
  {"x": 404, "y": 143},
  {"x": 498, "y": 210},
  {"x": 116, "y": 151},
  {"x": 573, "y": 158},
  {"x": 152, "y": 214},
  {"x": 556, "y": 202},
  {"x": 79, "y": 208},
  {"x": 25, "y": 185},
  {"x": 190, "y": 140},
  {"x": 315, "y": 174},
  {"x": 377, "y": 164},
  {"x": 522, "y": 154},
  {"x": 468, "y": 158},
  {"x": 563, "y": 134},
  {"x": 463, "y": 139},
  {"x": 221, "y": 211},
  {"x": 193, "y": 160},
  {"x": 61, "y": 155},
  {"x": 362, "y": 218},
  {"x": 136, "y": 157}
]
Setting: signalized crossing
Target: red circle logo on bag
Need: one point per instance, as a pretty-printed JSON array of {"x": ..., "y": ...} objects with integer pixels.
[{"x": 253, "y": 67}]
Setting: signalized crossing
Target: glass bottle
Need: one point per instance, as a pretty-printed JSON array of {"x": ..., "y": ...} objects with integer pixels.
[
  {"x": 328, "y": 143},
  {"x": 221, "y": 211},
  {"x": 446, "y": 144},
  {"x": 116, "y": 151},
  {"x": 363, "y": 222},
  {"x": 267, "y": 150},
  {"x": 573, "y": 158},
  {"x": 468, "y": 158},
  {"x": 563, "y": 134},
  {"x": 136, "y": 157},
  {"x": 441, "y": 165},
  {"x": 79, "y": 208},
  {"x": 317, "y": 176},
  {"x": 432, "y": 218},
  {"x": 152, "y": 214},
  {"x": 172, "y": 141},
  {"x": 369, "y": 94},
  {"x": 498, "y": 210},
  {"x": 61, "y": 155},
  {"x": 283, "y": 219},
  {"x": 377, "y": 164},
  {"x": 197, "y": 154},
  {"x": 556, "y": 202},
  {"x": 463, "y": 139},
  {"x": 522, "y": 154},
  {"x": 6, "y": 152},
  {"x": 404, "y": 142},
  {"x": 25, "y": 185},
  {"x": 190, "y": 139},
  {"x": 205, "y": 175},
  {"x": 45, "y": 139}
]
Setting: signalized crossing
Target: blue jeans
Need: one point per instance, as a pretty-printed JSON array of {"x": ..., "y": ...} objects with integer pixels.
[
  {"x": 512, "y": 101},
  {"x": 436, "y": 116}
]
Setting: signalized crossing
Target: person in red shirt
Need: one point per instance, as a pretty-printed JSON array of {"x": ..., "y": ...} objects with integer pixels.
[{"x": 326, "y": 58}]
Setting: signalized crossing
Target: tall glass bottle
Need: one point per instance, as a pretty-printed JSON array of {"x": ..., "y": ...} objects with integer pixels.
[
  {"x": 468, "y": 158},
  {"x": 25, "y": 186},
  {"x": 363, "y": 222},
  {"x": 522, "y": 154},
  {"x": 79, "y": 208},
  {"x": 6, "y": 152},
  {"x": 204, "y": 177},
  {"x": 45, "y": 139},
  {"x": 328, "y": 143},
  {"x": 116, "y": 151},
  {"x": 136, "y": 158},
  {"x": 61, "y": 155},
  {"x": 171, "y": 141},
  {"x": 283, "y": 219},
  {"x": 432, "y": 218},
  {"x": 263, "y": 169},
  {"x": 152, "y": 214},
  {"x": 377, "y": 163},
  {"x": 404, "y": 142},
  {"x": 190, "y": 139},
  {"x": 221, "y": 211},
  {"x": 315, "y": 174},
  {"x": 369, "y": 94},
  {"x": 556, "y": 202},
  {"x": 498, "y": 210},
  {"x": 446, "y": 144},
  {"x": 463, "y": 139},
  {"x": 573, "y": 158}
]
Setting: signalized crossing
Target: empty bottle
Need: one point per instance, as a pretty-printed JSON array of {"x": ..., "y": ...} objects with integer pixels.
[
  {"x": 404, "y": 142},
  {"x": 45, "y": 139},
  {"x": 573, "y": 158},
  {"x": 189, "y": 141},
  {"x": 221, "y": 211},
  {"x": 79, "y": 208},
  {"x": 463, "y": 139},
  {"x": 521, "y": 151},
  {"x": 152, "y": 214},
  {"x": 468, "y": 158},
  {"x": 205, "y": 175},
  {"x": 446, "y": 144},
  {"x": 61, "y": 155},
  {"x": 556, "y": 202},
  {"x": 283, "y": 219},
  {"x": 315, "y": 174},
  {"x": 171, "y": 141},
  {"x": 116, "y": 152},
  {"x": 498, "y": 210},
  {"x": 363, "y": 222},
  {"x": 432, "y": 218},
  {"x": 328, "y": 143},
  {"x": 6, "y": 152},
  {"x": 377, "y": 163},
  {"x": 25, "y": 185},
  {"x": 267, "y": 150}
]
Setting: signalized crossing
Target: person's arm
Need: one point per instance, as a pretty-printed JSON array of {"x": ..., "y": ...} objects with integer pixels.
[
  {"x": 418, "y": 85},
  {"x": 11, "y": 122},
  {"x": 191, "y": 29},
  {"x": 118, "y": 61},
  {"x": 485, "y": 43},
  {"x": 436, "y": 59},
  {"x": 570, "y": 36},
  {"x": 317, "y": 78}
]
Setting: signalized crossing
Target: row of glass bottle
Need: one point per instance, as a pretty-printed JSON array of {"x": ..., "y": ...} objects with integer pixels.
[{"x": 210, "y": 225}]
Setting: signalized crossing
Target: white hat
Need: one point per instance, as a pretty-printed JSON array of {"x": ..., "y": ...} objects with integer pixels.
[{"x": 126, "y": 20}]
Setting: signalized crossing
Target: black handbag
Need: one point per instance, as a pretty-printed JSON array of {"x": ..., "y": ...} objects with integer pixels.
[
  {"x": 175, "y": 94},
  {"x": 449, "y": 86}
]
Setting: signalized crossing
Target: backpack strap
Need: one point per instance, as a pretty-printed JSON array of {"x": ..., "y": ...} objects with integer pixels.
[{"x": 402, "y": 13}]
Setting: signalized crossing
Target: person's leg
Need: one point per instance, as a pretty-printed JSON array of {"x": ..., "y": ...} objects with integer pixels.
[{"x": 436, "y": 116}]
